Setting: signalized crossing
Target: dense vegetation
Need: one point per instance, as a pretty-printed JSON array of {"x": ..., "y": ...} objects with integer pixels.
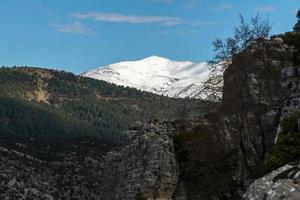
[
  {"x": 293, "y": 39},
  {"x": 287, "y": 147},
  {"x": 206, "y": 164},
  {"x": 48, "y": 102},
  {"x": 16, "y": 83},
  {"x": 21, "y": 118}
]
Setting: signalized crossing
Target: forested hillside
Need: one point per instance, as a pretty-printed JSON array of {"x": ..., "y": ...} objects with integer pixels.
[
  {"x": 23, "y": 118},
  {"x": 45, "y": 102}
]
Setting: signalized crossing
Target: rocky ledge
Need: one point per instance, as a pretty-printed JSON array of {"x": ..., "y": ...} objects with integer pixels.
[{"x": 281, "y": 184}]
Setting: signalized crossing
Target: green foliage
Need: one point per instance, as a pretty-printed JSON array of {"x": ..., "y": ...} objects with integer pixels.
[
  {"x": 12, "y": 80},
  {"x": 205, "y": 164},
  {"x": 287, "y": 147},
  {"x": 140, "y": 196},
  {"x": 290, "y": 124},
  {"x": 293, "y": 39},
  {"x": 21, "y": 118}
]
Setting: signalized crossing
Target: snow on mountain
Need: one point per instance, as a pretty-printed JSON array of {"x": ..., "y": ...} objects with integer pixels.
[{"x": 157, "y": 75}]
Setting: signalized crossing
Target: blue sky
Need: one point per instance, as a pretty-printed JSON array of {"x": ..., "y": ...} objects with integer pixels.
[{"x": 77, "y": 35}]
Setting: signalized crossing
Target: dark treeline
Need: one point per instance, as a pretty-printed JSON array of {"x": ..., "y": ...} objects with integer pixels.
[{"x": 20, "y": 118}]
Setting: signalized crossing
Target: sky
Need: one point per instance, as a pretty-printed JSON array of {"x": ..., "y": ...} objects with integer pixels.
[{"x": 78, "y": 35}]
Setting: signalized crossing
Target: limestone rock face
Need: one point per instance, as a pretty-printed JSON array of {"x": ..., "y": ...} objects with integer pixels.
[
  {"x": 144, "y": 168},
  {"x": 41, "y": 169},
  {"x": 254, "y": 91},
  {"x": 291, "y": 89},
  {"x": 282, "y": 184}
]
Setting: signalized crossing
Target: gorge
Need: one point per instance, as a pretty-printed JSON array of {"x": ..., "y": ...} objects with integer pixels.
[{"x": 122, "y": 132}]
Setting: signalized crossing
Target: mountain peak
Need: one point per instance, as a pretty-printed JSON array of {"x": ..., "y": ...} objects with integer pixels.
[
  {"x": 156, "y": 58},
  {"x": 156, "y": 74}
]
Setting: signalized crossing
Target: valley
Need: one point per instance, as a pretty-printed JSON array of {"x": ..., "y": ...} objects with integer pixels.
[{"x": 153, "y": 128}]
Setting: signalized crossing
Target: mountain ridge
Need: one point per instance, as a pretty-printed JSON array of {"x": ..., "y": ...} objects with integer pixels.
[
  {"x": 105, "y": 107},
  {"x": 159, "y": 75}
]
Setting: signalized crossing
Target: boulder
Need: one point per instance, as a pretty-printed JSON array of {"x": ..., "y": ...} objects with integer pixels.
[{"x": 281, "y": 184}]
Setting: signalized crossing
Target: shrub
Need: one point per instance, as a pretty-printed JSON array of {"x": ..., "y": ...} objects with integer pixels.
[
  {"x": 290, "y": 124},
  {"x": 293, "y": 39},
  {"x": 140, "y": 196},
  {"x": 287, "y": 148},
  {"x": 206, "y": 165}
]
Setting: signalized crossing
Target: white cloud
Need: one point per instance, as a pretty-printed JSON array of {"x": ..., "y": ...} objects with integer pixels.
[
  {"x": 265, "y": 8},
  {"x": 223, "y": 7},
  {"x": 191, "y": 3},
  {"x": 199, "y": 23},
  {"x": 161, "y": 1},
  {"x": 75, "y": 27},
  {"x": 295, "y": 11},
  {"x": 131, "y": 19}
]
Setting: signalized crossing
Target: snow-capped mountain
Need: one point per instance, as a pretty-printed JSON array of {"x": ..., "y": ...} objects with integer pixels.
[{"x": 156, "y": 74}]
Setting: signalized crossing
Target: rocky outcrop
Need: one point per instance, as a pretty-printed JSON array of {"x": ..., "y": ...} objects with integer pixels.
[
  {"x": 290, "y": 83},
  {"x": 262, "y": 87},
  {"x": 281, "y": 184},
  {"x": 145, "y": 168},
  {"x": 41, "y": 169},
  {"x": 252, "y": 102}
]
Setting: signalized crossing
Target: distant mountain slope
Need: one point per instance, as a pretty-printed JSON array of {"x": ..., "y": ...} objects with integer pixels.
[
  {"x": 105, "y": 108},
  {"x": 157, "y": 75},
  {"x": 23, "y": 118}
]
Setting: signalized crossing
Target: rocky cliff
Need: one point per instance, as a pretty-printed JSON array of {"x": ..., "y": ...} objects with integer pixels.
[
  {"x": 252, "y": 102},
  {"x": 44, "y": 169},
  {"x": 290, "y": 83},
  {"x": 281, "y": 184},
  {"x": 145, "y": 168}
]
